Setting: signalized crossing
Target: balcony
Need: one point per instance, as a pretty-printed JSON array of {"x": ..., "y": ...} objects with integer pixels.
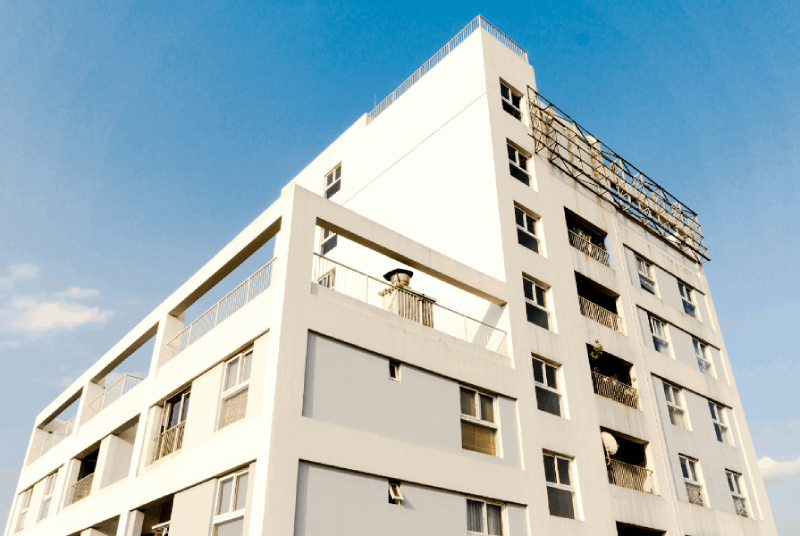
[
  {"x": 598, "y": 303},
  {"x": 600, "y": 315},
  {"x": 695, "y": 494},
  {"x": 169, "y": 441},
  {"x": 82, "y": 488},
  {"x": 615, "y": 390},
  {"x": 405, "y": 302},
  {"x": 56, "y": 437},
  {"x": 226, "y": 307},
  {"x": 631, "y": 476},
  {"x": 112, "y": 394},
  {"x": 584, "y": 245}
]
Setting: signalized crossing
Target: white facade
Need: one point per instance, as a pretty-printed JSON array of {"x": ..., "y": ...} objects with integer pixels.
[{"x": 347, "y": 390}]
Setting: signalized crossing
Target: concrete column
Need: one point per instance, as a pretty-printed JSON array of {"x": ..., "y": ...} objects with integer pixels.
[
  {"x": 37, "y": 437},
  {"x": 71, "y": 470},
  {"x": 90, "y": 392},
  {"x": 113, "y": 462},
  {"x": 192, "y": 510},
  {"x": 170, "y": 327},
  {"x": 131, "y": 524},
  {"x": 148, "y": 428}
]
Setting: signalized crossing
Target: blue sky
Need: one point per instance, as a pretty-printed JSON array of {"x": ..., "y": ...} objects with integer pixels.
[{"x": 137, "y": 139}]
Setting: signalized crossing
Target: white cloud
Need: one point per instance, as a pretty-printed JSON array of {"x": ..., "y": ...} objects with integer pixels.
[
  {"x": 33, "y": 315},
  {"x": 78, "y": 292},
  {"x": 17, "y": 272},
  {"x": 9, "y": 344},
  {"x": 771, "y": 468}
]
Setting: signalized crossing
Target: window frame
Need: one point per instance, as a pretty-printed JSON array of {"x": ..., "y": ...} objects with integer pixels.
[
  {"x": 703, "y": 356},
  {"x": 231, "y": 514},
  {"x": 557, "y": 368},
  {"x": 648, "y": 274},
  {"x": 696, "y": 477},
  {"x": 395, "y": 366},
  {"x": 512, "y": 92},
  {"x": 687, "y": 297},
  {"x": 571, "y": 487},
  {"x": 675, "y": 401},
  {"x": 718, "y": 418},
  {"x": 335, "y": 178},
  {"x": 477, "y": 419},
  {"x": 239, "y": 387},
  {"x": 533, "y": 302},
  {"x": 327, "y": 237},
  {"x": 663, "y": 337},
  {"x": 535, "y": 222},
  {"x": 485, "y": 515},
  {"x": 520, "y": 161},
  {"x": 49, "y": 491},
  {"x": 25, "y": 505},
  {"x": 395, "y": 492}
]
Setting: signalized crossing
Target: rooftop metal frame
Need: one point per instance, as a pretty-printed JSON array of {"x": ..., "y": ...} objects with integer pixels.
[{"x": 571, "y": 148}]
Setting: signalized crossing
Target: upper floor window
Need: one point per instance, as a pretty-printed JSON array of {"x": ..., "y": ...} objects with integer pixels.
[
  {"x": 24, "y": 504},
  {"x": 659, "y": 332},
  {"x": 395, "y": 493},
  {"x": 235, "y": 387},
  {"x": 536, "y": 303},
  {"x": 720, "y": 426},
  {"x": 677, "y": 413},
  {"x": 478, "y": 426},
  {"x": 173, "y": 422},
  {"x": 560, "y": 489},
  {"x": 703, "y": 357},
  {"x": 737, "y": 492},
  {"x": 328, "y": 241},
  {"x": 512, "y": 100},
  {"x": 333, "y": 181},
  {"x": 687, "y": 296},
  {"x": 691, "y": 476},
  {"x": 394, "y": 370},
  {"x": 49, "y": 487},
  {"x": 484, "y": 518},
  {"x": 646, "y": 279},
  {"x": 526, "y": 229},
  {"x": 518, "y": 165},
  {"x": 548, "y": 396},
  {"x": 230, "y": 505}
]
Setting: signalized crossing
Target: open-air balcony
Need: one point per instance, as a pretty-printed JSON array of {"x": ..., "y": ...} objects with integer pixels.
[
  {"x": 58, "y": 435},
  {"x": 611, "y": 377},
  {"x": 397, "y": 297},
  {"x": 626, "y": 462},
  {"x": 631, "y": 476},
  {"x": 598, "y": 304},
  {"x": 82, "y": 488},
  {"x": 169, "y": 441},
  {"x": 615, "y": 390},
  {"x": 113, "y": 393},
  {"x": 587, "y": 239}
]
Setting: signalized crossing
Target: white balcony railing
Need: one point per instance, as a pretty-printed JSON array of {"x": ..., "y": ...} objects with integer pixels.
[
  {"x": 169, "y": 441},
  {"x": 227, "y": 306},
  {"x": 631, "y": 477},
  {"x": 583, "y": 245},
  {"x": 408, "y": 304},
  {"x": 695, "y": 494},
  {"x": 615, "y": 390},
  {"x": 600, "y": 315},
  {"x": 113, "y": 393},
  {"x": 82, "y": 488},
  {"x": 56, "y": 437}
]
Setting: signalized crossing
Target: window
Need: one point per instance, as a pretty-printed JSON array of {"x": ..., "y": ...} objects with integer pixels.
[
  {"x": 235, "y": 387},
  {"x": 548, "y": 397},
  {"x": 49, "y": 487},
  {"x": 518, "y": 165},
  {"x": 229, "y": 509},
  {"x": 484, "y": 518},
  {"x": 478, "y": 426},
  {"x": 718, "y": 416},
  {"x": 536, "y": 303},
  {"x": 394, "y": 371},
  {"x": 526, "y": 229},
  {"x": 560, "y": 490},
  {"x": 737, "y": 492},
  {"x": 333, "y": 181},
  {"x": 677, "y": 415},
  {"x": 328, "y": 241},
  {"x": 24, "y": 504},
  {"x": 173, "y": 423},
  {"x": 646, "y": 279},
  {"x": 395, "y": 494},
  {"x": 688, "y": 299},
  {"x": 691, "y": 471},
  {"x": 511, "y": 100},
  {"x": 659, "y": 335},
  {"x": 703, "y": 358}
]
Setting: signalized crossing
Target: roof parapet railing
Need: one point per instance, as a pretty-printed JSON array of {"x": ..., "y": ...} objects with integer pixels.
[
  {"x": 476, "y": 23},
  {"x": 114, "y": 392},
  {"x": 573, "y": 150},
  {"x": 56, "y": 437}
]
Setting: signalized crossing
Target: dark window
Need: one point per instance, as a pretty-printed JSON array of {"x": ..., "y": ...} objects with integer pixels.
[
  {"x": 547, "y": 396},
  {"x": 526, "y": 229},
  {"x": 535, "y": 303},
  {"x": 333, "y": 182},
  {"x": 511, "y": 101},
  {"x": 518, "y": 165}
]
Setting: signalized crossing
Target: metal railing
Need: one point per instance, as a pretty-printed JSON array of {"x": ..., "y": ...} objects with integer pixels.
[
  {"x": 631, "y": 476},
  {"x": 224, "y": 308},
  {"x": 56, "y": 437},
  {"x": 740, "y": 503},
  {"x": 584, "y": 245},
  {"x": 407, "y": 303},
  {"x": 476, "y": 23},
  {"x": 695, "y": 494},
  {"x": 615, "y": 390},
  {"x": 112, "y": 394},
  {"x": 169, "y": 441},
  {"x": 600, "y": 315},
  {"x": 82, "y": 488}
]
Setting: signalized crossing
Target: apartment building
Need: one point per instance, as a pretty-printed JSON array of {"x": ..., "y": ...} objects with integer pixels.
[{"x": 478, "y": 319}]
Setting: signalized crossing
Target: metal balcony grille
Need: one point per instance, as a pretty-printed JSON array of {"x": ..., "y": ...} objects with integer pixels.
[
  {"x": 408, "y": 304},
  {"x": 169, "y": 441},
  {"x": 631, "y": 476},
  {"x": 60, "y": 433},
  {"x": 615, "y": 390},
  {"x": 82, "y": 488},
  {"x": 600, "y": 315},
  {"x": 112, "y": 394},
  {"x": 695, "y": 494},
  {"x": 585, "y": 246}
]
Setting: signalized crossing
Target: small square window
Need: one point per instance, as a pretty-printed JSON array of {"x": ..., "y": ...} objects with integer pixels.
[
  {"x": 560, "y": 489},
  {"x": 328, "y": 241},
  {"x": 394, "y": 371},
  {"x": 484, "y": 518},
  {"x": 526, "y": 229},
  {"x": 333, "y": 181},
  {"x": 395, "y": 493},
  {"x": 536, "y": 303},
  {"x": 677, "y": 413},
  {"x": 687, "y": 297},
  {"x": 737, "y": 492},
  {"x": 548, "y": 396},
  {"x": 230, "y": 505},
  {"x": 690, "y": 468},
  {"x": 235, "y": 388},
  {"x": 478, "y": 426},
  {"x": 659, "y": 332},
  {"x": 703, "y": 357},
  {"x": 646, "y": 279},
  {"x": 720, "y": 426},
  {"x": 518, "y": 165},
  {"x": 512, "y": 100}
]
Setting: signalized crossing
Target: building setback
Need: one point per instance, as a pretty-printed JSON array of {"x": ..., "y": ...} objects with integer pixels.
[{"x": 478, "y": 319}]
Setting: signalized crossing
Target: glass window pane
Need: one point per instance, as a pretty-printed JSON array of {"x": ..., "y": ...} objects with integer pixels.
[
  {"x": 527, "y": 285},
  {"x": 538, "y": 368},
  {"x": 247, "y": 361},
  {"x": 668, "y": 392},
  {"x": 230, "y": 528},
  {"x": 505, "y": 92},
  {"x": 560, "y": 502},
  {"x": 241, "y": 492},
  {"x": 474, "y": 516},
  {"x": 512, "y": 153},
  {"x": 537, "y": 315},
  {"x": 333, "y": 189},
  {"x": 531, "y": 225},
  {"x": 225, "y": 491},
  {"x": 468, "y": 402},
  {"x": 563, "y": 472},
  {"x": 232, "y": 374},
  {"x": 730, "y": 482},
  {"x": 548, "y": 401},
  {"x": 550, "y": 468},
  {"x": 551, "y": 376},
  {"x": 692, "y": 471},
  {"x": 174, "y": 414},
  {"x": 720, "y": 433},
  {"x": 712, "y": 408},
  {"x": 515, "y": 100},
  {"x": 527, "y": 240},
  {"x": 185, "y": 412},
  {"x": 329, "y": 179},
  {"x": 523, "y": 162},
  {"x": 519, "y": 217},
  {"x": 540, "y": 296},
  {"x": 684, "y": 468},
  {"x": 494, "y": 519},
  {"x": 339, "y": 172},
  {"x": 487, "y": 408}
]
